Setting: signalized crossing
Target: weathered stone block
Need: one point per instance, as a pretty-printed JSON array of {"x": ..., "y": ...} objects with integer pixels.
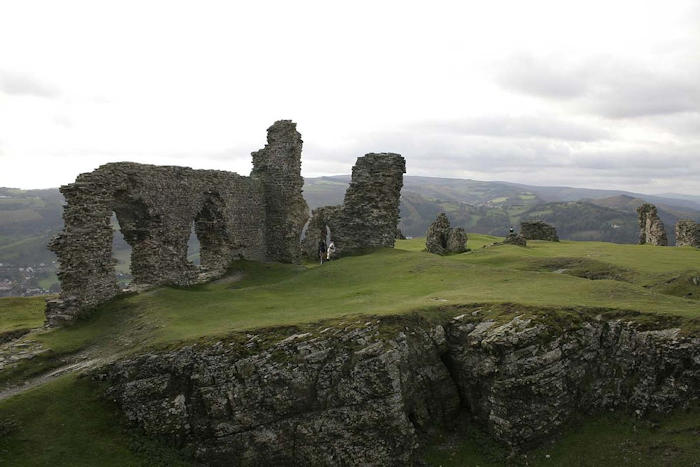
[
  {"x": 441, "y": 239},
  {"x": 688, "y": 233},
  {"x": 651, "y": 228},
  {"x": 538, "y": 230}
]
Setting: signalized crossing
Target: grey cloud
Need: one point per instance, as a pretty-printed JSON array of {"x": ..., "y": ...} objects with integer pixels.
[
  {"x": 533, "y": 126},
  {"x": 543, "y": 161},
  {"x": 545, "y": 78},
  {"x": 606, "y": 86},
  {"x": 23, "y": 84}
]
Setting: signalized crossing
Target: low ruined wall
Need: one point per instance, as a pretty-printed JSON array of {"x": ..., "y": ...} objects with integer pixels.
[
  {"x": 258, "y": 218},
  {"x": 538, "y": 231},
  {"x": 369, "y": 215},
  {"x": 688, "y": 233},
  {"x": 364, "y": 392},
  {"x": 442, "y": 239}
]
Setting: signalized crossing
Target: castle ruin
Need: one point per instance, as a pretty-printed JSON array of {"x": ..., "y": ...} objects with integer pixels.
[
  {"x": 369, "y": 215},
  {"x": 257, "y": 217},
  {"x": 538, "y": 230},
  {"x": 442, "y": 239},
  {"x": 687, "y": 233},
  {"x": 651, "y": 229}
]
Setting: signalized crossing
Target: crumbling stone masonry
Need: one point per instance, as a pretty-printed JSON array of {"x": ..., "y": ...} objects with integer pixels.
[
  {"x": 441, "y": 239},
  {"x": 538, "y": 230},
  {"x": 369, "y": 215},
  {"x": 258, "y": 217},
  {"x": 515, "y": 239},
  {"x": 687, "y": 233},
  {"x": 651, "y": 228}
]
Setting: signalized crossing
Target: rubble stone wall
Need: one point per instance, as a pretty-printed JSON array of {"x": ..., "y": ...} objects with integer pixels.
[
  {"x": 687, "y": 233},
  {"x": 258, "y": 217},
  {"x": 441, "y": 239},
  {"x": 651, "y": 227},
  {"x": 538, "y": 230},
  {"x": 369, "y": 215}
]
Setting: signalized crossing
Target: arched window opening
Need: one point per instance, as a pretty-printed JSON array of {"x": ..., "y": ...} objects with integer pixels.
[
  {"x": 193, "y": 247},
  {"x": 121, "y": 252}
]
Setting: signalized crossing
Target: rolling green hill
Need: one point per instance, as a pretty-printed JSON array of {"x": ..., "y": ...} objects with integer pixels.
[{"x": 639, "y": 283}]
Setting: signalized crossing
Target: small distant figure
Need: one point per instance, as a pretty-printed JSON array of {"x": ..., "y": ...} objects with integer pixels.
[
  {"x": 511, "y": 230},
  {"x": 322, "y": 250},
  {"x": 331, "y": 250}
]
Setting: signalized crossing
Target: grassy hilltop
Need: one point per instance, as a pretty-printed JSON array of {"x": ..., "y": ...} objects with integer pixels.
[{"x": 653, "y": 285}]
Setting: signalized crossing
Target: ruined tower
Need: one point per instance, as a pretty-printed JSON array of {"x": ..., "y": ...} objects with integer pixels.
[
  {"x": 278, "y": 167},
  {"x": 651, "y": 229},
  {"x": 370, "y": 212}
]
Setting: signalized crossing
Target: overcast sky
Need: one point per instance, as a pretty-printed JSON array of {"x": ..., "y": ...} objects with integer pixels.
[{"x": 591, "y": 94}]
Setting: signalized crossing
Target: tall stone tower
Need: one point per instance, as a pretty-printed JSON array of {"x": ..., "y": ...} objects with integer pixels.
[
  {"x": 651, "y": 229},
  {"x": 278, "y": 167}
]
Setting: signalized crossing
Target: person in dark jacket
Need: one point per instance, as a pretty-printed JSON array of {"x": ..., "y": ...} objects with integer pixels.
[{"x": 322, "y": 250}]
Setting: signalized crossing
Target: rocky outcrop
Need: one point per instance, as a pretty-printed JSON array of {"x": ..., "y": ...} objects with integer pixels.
[
  {"x": 515, "y": 239},
  {"x": 369, "y": 215},
  {"x": 441, "y": 239},
  {"x": 365, "y": 392},
  {"x": 258, "y": 217},
  {"x": 651, "y": 227},
  {"x": 687, "y": 233},
  {"x": 538, "y": 230}
]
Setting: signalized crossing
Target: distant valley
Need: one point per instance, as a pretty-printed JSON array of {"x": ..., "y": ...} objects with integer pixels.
[{"x": 29, "y": 218}]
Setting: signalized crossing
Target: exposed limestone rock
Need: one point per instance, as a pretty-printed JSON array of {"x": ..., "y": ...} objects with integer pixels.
[
  {"x": 687, "y": 233},
  {"x": 441, "y": 239},
  {"x": 515, "y": 239},
  {"x": 363, "y": 394},
  {"x": 258, "y": 217},
  {"x": 538, "y": 230},
  {"x": 369, "y": 215},
  {"x": 651, "y": 228}
]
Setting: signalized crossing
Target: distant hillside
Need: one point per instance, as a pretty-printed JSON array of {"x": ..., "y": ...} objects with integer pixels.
[
  {"x": 29, "y": 218},
  {"x": 492, "y": 207}
]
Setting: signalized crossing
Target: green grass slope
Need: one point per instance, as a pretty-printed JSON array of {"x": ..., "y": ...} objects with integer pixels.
[{"x": 645, "y": 283}]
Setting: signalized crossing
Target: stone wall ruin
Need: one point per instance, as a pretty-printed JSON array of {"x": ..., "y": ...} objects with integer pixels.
[
  {"x": 258, "y": 217},
  {"x": 538, "y": 230},
  {"x": 651, "y": 228},
  {"x": 687, "y": 233},
  {"x": 442, "y": 239},
  {"x": 369, "y": 215}
]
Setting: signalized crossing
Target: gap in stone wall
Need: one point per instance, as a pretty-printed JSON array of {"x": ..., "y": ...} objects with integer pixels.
[
  {"x": 121, "y": 251},
  {"x": 193, "y": 247}
]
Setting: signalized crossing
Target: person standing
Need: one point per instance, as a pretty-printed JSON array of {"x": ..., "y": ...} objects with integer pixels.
[
  {"x": 331, "y": 250},
  {"x": 322, "y": 250}
]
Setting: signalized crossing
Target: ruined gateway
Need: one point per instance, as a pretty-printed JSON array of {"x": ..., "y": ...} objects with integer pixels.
[{"x": 235, "y": 217}]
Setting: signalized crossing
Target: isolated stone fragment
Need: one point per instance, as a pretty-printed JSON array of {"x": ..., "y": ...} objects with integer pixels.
[
  {"x": 687, "y": 233},
  {"x": 651, "y": 228},
  {"x": 538, "y": 230}
]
